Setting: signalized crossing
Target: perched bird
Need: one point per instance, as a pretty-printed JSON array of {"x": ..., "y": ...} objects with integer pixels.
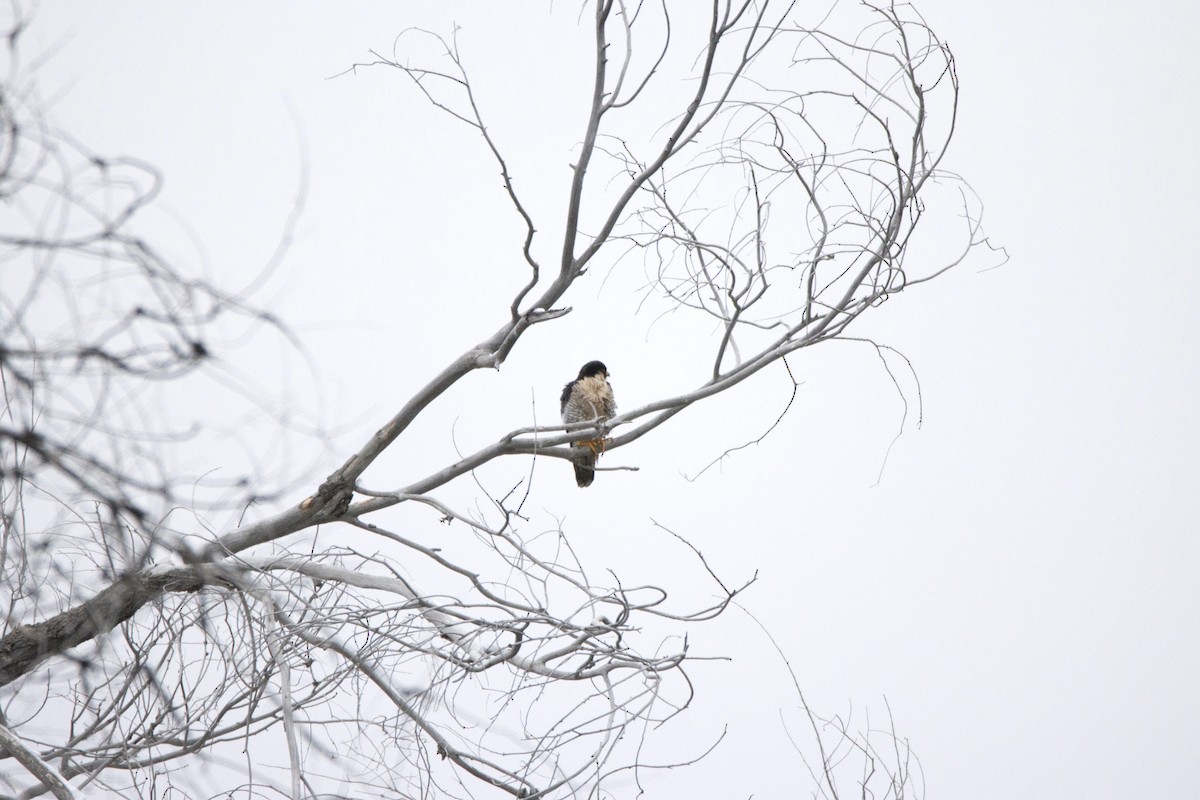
[{"x": 588, "y": 398}]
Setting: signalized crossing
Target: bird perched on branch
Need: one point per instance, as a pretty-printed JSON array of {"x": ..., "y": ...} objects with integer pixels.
[{"x": 588, "y": 398}]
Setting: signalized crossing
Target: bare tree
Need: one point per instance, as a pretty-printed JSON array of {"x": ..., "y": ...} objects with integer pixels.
[{"x": 780, "y": 197}]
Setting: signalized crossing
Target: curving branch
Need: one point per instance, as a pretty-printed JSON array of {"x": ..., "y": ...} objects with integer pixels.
[{"x": 780, "y": 196}]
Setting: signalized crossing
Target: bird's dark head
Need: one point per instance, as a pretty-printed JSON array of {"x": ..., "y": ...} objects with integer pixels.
[{"x": 593, "y": 368}]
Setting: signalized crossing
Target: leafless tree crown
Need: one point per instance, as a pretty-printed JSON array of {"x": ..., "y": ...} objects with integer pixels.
[{"x": 767, "y": 172}]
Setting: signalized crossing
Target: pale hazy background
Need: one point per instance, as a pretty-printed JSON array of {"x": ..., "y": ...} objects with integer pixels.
[{"x": 1021, "y": 585}]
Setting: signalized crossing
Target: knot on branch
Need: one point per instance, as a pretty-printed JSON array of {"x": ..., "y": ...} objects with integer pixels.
[
  {"x": 331, "y": 500},
  {"x": 483, "y": 358}
]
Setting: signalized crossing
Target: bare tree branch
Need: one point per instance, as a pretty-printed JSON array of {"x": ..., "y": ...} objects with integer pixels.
[{"x": 778, "y": 196}]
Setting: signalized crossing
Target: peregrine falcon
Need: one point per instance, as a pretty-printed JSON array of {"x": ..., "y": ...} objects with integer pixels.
[{"x": 587, "y": 398}]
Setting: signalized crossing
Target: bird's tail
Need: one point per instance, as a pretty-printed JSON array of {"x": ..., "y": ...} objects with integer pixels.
[{"x": 585, "y": 470}]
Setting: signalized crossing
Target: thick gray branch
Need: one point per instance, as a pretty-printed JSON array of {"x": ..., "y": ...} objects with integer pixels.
[{"x": 28, "y": 645}]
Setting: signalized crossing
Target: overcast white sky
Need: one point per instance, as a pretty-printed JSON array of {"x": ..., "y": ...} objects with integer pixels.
[{"x": 1022, "y": 583}]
